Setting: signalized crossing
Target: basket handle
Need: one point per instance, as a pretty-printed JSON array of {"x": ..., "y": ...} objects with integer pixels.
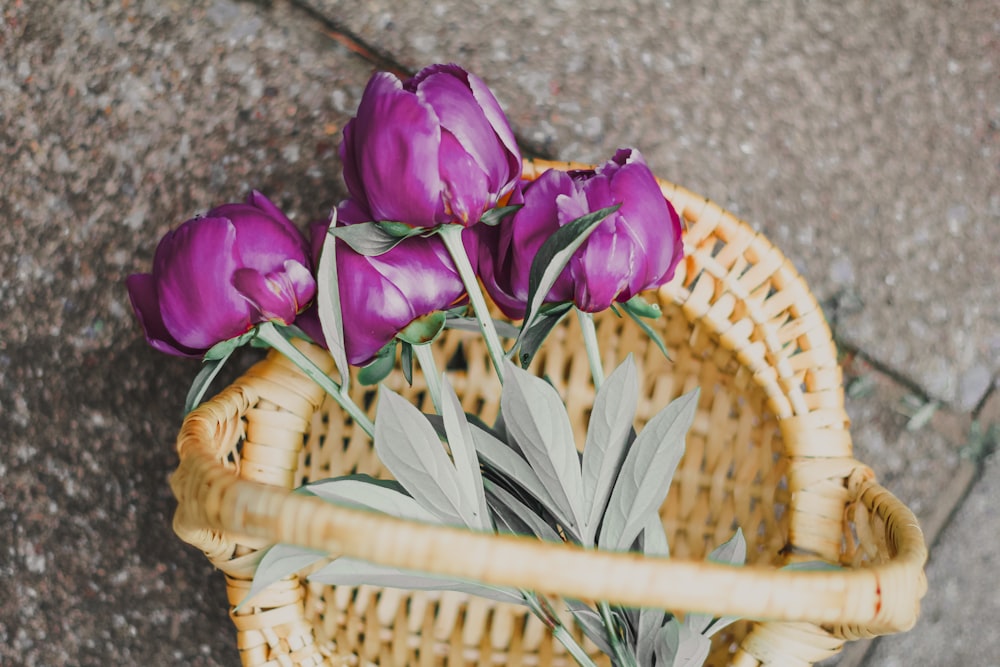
[{"x": 854, "y": 602}]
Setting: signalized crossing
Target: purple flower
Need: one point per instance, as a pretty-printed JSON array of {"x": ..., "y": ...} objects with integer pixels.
[
  {"x": 634, "y": 249},
  {"x": 431, "y": 150},
  {"x": 381, "y": 295},
  {"x": 216, "y": 277}
]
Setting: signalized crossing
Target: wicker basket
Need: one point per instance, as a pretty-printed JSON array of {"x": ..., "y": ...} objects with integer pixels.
[{"x": 769, "y": 451}]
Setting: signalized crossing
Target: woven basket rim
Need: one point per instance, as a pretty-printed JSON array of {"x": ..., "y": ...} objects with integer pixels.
[{"x": 880, "y": 598}]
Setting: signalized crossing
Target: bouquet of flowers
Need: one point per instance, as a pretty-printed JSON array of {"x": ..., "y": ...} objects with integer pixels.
[{"x": 439, "y": 232}]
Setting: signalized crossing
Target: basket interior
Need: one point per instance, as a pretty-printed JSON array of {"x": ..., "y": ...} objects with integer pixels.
[{"x": 732, "y": 475}]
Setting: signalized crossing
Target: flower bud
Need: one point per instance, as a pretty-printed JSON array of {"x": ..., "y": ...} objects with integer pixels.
[
  {"x": 434, "y": 149},
  {"x": 634, "y": 249},
  {"x": 381, "y": 295},
  {"x": 217, "y": 276}
]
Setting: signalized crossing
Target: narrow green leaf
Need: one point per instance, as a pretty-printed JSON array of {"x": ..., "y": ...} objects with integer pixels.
[
  {"x": 537, "y": 420},
  {"x": 496, "y": 215},
  {"x": 209, "y": 370},
  {"x": 463, "y": 452},
  {"x": 379, "y": 367},
  {"x": 352, "y": 572},
  {"x": 554, "y": 255},
  {"x": 280, "y": 561},
  {"x": 407, "y": 445},
  {"x": 533, "y": 337},
  {"x": 607, "y": 439},
  {"x": 648, "y": 330},
  {"x": 364, "y": 491},
  {"x": 331, "y": 316},
  {"x": 645, "y": 476},
  {"x": 423, "y": 329}
]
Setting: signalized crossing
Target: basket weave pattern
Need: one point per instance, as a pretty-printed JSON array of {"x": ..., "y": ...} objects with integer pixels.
[{"x": 769, "y": 451}]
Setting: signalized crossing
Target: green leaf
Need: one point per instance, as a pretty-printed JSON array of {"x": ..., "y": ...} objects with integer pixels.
[
  {"x": 645, "y": 476},
  {"x": 366, "y": 492},
  {"x": 280, "y": 561},
  {"x": 516, "y": 517},
  {"x": 367, "y": 238},
  {"x": 406, "y": 362},
  {"x": 379, "y": 367},
  {"x": 654, "y": 543},
  {"x": 352, "y": 572},
  {"x": 400, "y": 230},
  {"x": 731, "y": 552},
  {"x": 537, "y": 421},
  {"x": 553, "y": 257},
  {"x": 496, "y": 215},
  {"x": 504, "y": 329},
  {"x": 607, "y": 439},
  {"x": 423, "y": 329},
  {"x": 679, "y": 646},
  {"x": 648, "y": 330},
  {"x": 209, "y": 370},
  {"x": 409, "y": 448},
  {"x": 532, "y": 338},
  {"x": 463, "y": 452},
  {"x": 223, "y": 349},
  {"x": 592, "y": 625},
  {"x": 331, "y": 316}
]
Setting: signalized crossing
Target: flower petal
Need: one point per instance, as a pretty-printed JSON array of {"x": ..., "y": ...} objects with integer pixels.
[
  {"x": 466, "y": 192},
  {"x": 447, "y": 91},
  {"x": 199, "y": 305},
  {"x": 278, "y": 295},
  {"x": 142, "y": 293},
  {"x": 393, "y": 155}
]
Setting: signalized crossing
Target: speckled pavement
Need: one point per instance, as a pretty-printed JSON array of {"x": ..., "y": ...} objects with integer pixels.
[{"x": 862, "y": 138}]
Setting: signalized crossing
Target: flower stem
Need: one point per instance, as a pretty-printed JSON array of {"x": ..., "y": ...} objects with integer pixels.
[
  {"x": 452, "y": 237},
  {"x": 622, "y": 658},
  {"x": 270, "y": 334},
  {"x": 425, "y": 357},
  {"x": 558, "y": 630},
  {"x": 590, "y": 344}
]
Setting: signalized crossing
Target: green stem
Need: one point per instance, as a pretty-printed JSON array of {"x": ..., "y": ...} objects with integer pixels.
[
  {"x": 558, "y": 630},
  {"x": 452, "y": 237},
  {"x": 622, "y": 657},
  {"x": 590, "y": 344},
  {"x": 425, "y": 357},
  {"x": 269, "y": 334}
]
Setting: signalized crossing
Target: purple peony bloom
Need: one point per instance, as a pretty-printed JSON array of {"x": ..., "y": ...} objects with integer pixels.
[
  {"x": 381, "y": 295},
  {"x": 634, "y": 249},
  {"x": 217, "y": 276},
  {"x": 431, "y": 150}
]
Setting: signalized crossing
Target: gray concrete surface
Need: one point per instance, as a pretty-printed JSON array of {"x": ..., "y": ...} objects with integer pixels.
[{"x": 863, "y": 138}]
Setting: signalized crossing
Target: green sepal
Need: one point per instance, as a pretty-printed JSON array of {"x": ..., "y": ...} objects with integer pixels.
[
  {"x": 643, "y": 308},
  {"x": 423, "y": 329},
  {"x": 380, "y": 366},
  {"x": 199, "y": 387},
  {"x": 406, "y": 362},
  {"x": 495, "y": 216},
  {"x": 372, "y": 239},
  {"x": 649, "y": 331},
  {"x": 223, "y": 349}
]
